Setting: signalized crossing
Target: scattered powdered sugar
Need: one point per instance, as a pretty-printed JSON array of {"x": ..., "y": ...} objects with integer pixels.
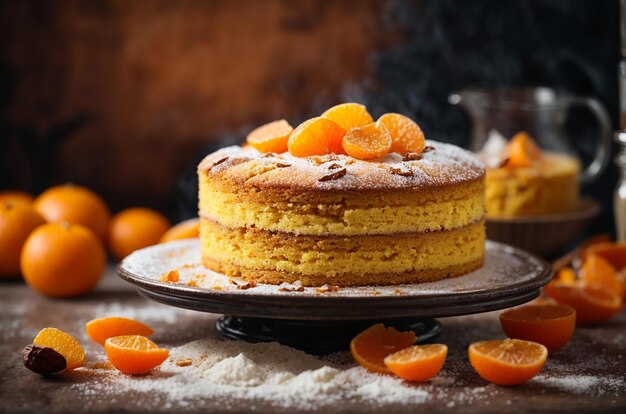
[
  {"x": 504, "y": 267},
  {"x": 583, "y": 384}
]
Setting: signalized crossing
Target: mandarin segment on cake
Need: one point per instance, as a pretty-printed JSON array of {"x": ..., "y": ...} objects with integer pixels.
[{"x": 335, "y": 219}]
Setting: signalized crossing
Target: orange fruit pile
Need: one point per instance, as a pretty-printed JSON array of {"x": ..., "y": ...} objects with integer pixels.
[
  {"x": 17, "y": 221},
  {"x": 343, "y": 129},
  {"x": 508, "y": 361}
]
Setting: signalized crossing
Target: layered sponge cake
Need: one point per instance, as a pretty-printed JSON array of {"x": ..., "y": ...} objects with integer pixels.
[
  {"x": 522, "y": 180},
  {"x": 338, "y": 220}
]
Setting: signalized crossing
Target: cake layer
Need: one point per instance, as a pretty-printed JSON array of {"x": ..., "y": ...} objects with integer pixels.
[
  {"x": 452, "y": 207},
  {"x": 552, "y": 187},
  {"x": 276, "y": 257}
]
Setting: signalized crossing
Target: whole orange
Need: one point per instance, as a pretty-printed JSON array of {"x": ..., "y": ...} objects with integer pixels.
[
  {"x": 74, "y": 204},
  {"x": 17, "y": 221},
  {"x": 135, "y": 228},
  {"x": 63, "y": 260},
  {"x": 16, "y": 197}
]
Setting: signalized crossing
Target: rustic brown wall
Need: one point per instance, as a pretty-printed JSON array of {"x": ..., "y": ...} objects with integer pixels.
[{"x": 119, "y": 95}]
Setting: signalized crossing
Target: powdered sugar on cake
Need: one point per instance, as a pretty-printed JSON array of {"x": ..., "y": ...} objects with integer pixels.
[{"x": 445, "y": 164}]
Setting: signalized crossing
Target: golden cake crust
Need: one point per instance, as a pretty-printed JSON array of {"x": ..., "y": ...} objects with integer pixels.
[{"x": 444, "y": 165}]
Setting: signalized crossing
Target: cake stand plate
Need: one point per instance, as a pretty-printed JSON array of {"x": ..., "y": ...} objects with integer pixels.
[{"x": 322, "y": 320}]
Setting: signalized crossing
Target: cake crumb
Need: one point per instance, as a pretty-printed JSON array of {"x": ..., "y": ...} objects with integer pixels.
[{"x": 170, "y": 277}]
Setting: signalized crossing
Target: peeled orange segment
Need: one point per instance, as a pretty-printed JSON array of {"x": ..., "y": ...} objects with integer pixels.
[
  {"x": 368, "y": 142},
  {"x": 317, "y": 136},
  {"x": 417, "y": 362},
  {"x": 593, "y": 303},
  {"x": 406, "y": 135},
  {"x": 348, "y": 115},
  {"x": 99, "y": 330},
  {"x": 134, "y": 354},
  {"x": 64, "y": 343},
  {"x": 551, "y": 325},
  {"x": 508, "y": 361},
  {"x": 523, "y": 151},
  {"x": 373, "y": 345},
  {"x": 614, "y": 253},
  {"x": 597, "y": 270},
  {"x": 271, "y": 137}
]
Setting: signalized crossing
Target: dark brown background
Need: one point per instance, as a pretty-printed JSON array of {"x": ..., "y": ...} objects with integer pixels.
[
  {"x": 119, "y": 95},
  {"x": 125, "y": 96}
]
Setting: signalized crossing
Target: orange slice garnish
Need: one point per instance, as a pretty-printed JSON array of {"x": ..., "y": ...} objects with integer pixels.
[
  {"x": 317, "y": 136},
  {"x": 348, "y": 115},
  {"x": 406, "y": 135},
  {"x": 368, "y": 142},
  {"x": 64, "y": 343},
  {"x": 271, "y": 137}
]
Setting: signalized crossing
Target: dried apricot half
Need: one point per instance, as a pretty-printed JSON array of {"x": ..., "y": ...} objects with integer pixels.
[
  {"x": 417, "y": 362},
  {"x": 368, "y": 142},
  {"x": 99, "y": 330},
  {"x": 551, "y": 325},
  {"x": 508, "y": 361},
  {"x": 134, "y": 354},
  {"x": 64, "y": 343},
  {"x": 373, "y": 345},
  {"x": 348, "y": 115},
  {"x": 271, "y": 137},
  {"x": 316, "y": 136},
  {"x": 406, "y": 135}
]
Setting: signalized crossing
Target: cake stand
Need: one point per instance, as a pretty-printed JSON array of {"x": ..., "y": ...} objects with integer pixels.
[{"x": 323, "y": 320}]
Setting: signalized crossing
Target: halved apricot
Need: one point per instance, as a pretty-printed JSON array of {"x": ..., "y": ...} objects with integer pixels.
[
  {"x": 134, "y": 354},
  {"x": 417, "y": 362}
]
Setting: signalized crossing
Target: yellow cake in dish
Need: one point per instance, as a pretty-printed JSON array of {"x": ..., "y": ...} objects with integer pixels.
[
  {"x": 524, "y": 181},
  {"x": 337, "y": 220}
]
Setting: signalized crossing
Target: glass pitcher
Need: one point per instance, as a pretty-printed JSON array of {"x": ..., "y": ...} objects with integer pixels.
[{"x": 541, "y": 112}]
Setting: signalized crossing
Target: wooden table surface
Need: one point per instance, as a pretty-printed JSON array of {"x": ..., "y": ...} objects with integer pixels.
[{"x": 592, "y": 353}]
